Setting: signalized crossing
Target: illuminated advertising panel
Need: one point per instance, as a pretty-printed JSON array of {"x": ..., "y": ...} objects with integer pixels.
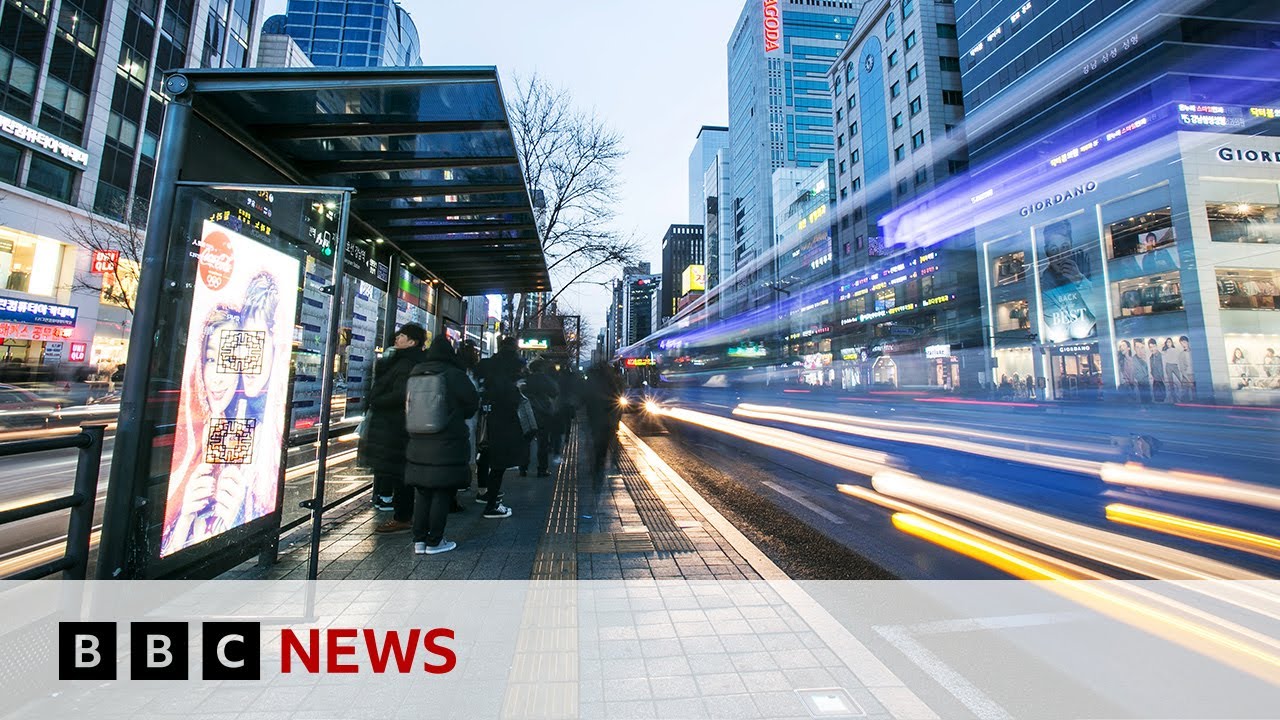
[
  {"x": 533, "y": 344},
  {"x": 772, "y": 26},
  {"x": 1070, "y": 302},
  {"x": 693, "y": 279},
  {"x": 228, "y": 443}
]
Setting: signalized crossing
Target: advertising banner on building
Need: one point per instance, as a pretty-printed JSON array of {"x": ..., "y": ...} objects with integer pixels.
[
  {"x": 1071, "y": 295},
  {"x": 233, "y": 404}
]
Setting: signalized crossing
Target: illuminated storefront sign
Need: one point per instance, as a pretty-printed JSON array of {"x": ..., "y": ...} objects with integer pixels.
[
  {"x": 19, "y": 130},
  {"x": 1226, "y": 154},
  {"x": 937, "y": 351},
  {"x": 104, "y": 261},
  {"x": 693, "y": 279},
  {"x": 1057, "y": 198},
  {"x": 748, "y": 351},
  {"x": 228, "y": 448},
  {"x": 33, "y": 332},
  {"x": 638, "y": 362},
  {"x": 772, "y": 26},
  {"x": 533, "y": 344},
  {"x": 79, "y": 351},
  {"x": 37, "y": 313}
]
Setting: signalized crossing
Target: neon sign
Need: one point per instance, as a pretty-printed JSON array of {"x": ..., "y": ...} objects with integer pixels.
[
  {"x": 19, "y": 130},
  {"x": 772, "y": 26}
]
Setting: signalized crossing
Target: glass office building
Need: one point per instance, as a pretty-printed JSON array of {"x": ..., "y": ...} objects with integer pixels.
[
  {"x": 354, "y": 33},
  {"x": 779, "y": 116}
]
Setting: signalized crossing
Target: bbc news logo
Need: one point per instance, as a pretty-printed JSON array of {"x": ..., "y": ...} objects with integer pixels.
[{"x": 233, "y": 651}]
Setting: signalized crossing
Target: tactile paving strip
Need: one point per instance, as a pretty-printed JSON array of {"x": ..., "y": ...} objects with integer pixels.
[
  {"x": 666, "y": 534},
  {"x": 557, "y": 556}
]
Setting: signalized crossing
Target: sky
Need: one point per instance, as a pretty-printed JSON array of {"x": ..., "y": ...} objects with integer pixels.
[{"x": 655, "y": 71}]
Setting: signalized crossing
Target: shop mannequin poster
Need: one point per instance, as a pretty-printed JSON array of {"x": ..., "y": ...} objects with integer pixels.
[
  {"x": 1070, "y": 296},
  {"x": 232, "y": 410}
]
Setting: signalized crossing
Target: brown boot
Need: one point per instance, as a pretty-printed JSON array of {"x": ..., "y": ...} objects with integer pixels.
[{"x": 393, "y": 526}]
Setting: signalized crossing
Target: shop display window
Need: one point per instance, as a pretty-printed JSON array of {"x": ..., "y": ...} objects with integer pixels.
[
  {"x": 1013, "y": 316},
  {"x": 1254, "y": 362},
  {"x": 1147, "y": 295},
  {"x": 1244, "y": 222},
  {"x": 1248, "y": 289},
  {"x": 1142, "y": 233},
  {"x": 29, "y": 263},
  {"x": 1010, "y": 268}
]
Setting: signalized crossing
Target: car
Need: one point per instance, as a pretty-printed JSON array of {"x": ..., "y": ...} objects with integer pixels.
[
  {"x": 638, "y": 399},
  {"x": 21, "y": 409}
]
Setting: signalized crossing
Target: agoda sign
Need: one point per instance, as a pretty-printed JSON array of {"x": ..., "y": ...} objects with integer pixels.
[{"x": 772, "y": 26}]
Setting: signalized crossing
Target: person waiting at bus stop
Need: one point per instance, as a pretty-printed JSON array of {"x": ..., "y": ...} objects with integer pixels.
[{"x": 383, "y": 441}]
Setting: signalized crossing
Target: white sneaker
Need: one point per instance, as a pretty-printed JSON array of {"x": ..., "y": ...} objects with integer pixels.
[
  {"x": 502, "y": 511},
  {"x": 445, "y": 546}
]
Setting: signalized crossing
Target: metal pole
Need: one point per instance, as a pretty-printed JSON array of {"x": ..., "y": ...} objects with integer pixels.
[
  {"x": 389, "y": 307},
  {"x": 131, "y": 460},
  {"x": 86, "y": 489},
  {"x": 326, "y": 388}
]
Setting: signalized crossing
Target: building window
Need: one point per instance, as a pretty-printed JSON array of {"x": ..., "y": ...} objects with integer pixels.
[
  {"x": 915, "y": 106},
  {"x": 948, "y": 129},
  {"x": 949, "y": 64},
  {"x": 890, "y": 25},
  {"x": 9, "y": 157},
  {"x": 853, "y": 129},
  {"x": 895, "y": 90},
  {"x": 857, "y": 215},
  {"x": 922, "y": 176},
  {"x": 857, "y": 184},
  {"x": 839, "y": 114},
  {"x": 903, "y": 187},
  {"x": 50, "y": 178},
  {"x": 844, "y": 193},
  {"x": 842, "y": 167},
  {"x": 910, "y": 40},
  {"x": 908, "y": 6},
  {"x": 952, "y": 97},
  {"x": 955, "y": 167},
  {"x": 899, "y": 153},
  {"x": 893, "y": 59},
  {"x": 30, "y": 263},
  {"x": 840, "y": 141},
  {"x": 897, "y": 121},
  {"x": 854, "y": 157},
  {"x": 917, "y": 140},
  {"x": 853, "y": 101},
  {"x": 913, "y": 73},
  {"x": 947, "y": 31}
]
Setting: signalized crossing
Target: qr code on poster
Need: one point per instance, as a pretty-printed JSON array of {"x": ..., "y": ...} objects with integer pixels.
[
  {"x": 230, "y": 441},
  {"x": 240, "y": 351}
]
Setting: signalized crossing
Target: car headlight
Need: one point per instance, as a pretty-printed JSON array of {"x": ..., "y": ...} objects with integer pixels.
[
  {"x": 623, "y": 401},
  {"x": 652, "y": 407}
]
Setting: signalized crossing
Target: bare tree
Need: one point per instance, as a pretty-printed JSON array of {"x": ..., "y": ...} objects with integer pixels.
[
  {"x": 571, "y": 158},
  {"x": 127, "y": 236}
]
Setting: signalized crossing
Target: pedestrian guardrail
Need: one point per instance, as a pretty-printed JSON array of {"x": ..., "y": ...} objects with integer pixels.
[{"x": 75, "y": 562}]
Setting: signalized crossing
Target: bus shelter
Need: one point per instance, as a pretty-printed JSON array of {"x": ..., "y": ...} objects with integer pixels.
[{"x": 297, "y": 218}]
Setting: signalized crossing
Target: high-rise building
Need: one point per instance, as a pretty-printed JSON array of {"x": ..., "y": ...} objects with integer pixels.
[
  {"x": 277, "y": 49},
  {"x": 717, "y": 227},
  {"x": 81, "y": 107},
  {"x": 779, "y": 113},
  {"x": 637, "y": 303},
  {"x": 1124, "y": 196},
  {"x": 354, "y": 33},
  {"x": 898, "y": 138},
  {"x": 711, "y": 139},
  {"x": 804, "y": 207},
  {"x": 682, "y": 247}
]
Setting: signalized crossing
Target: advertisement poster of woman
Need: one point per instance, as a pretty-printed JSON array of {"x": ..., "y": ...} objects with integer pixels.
[
  {"x": 232, "y": 409},
  {"x": 1066, "y": 289}
]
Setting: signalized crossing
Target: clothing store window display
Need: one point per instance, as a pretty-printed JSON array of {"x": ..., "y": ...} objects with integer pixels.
[{"x": 384, "y": 437}]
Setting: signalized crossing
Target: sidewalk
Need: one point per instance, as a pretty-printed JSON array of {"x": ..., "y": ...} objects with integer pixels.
[{"x": 633, "y": 523}]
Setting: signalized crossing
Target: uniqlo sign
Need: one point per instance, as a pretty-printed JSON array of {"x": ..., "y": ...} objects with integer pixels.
[
  {"x": 104, "y": 261},
  {"x": 78, "y": 352}
]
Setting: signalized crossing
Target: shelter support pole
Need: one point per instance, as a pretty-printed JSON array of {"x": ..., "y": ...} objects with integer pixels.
[
  {"x": 326, "y": 387},
  {"x": 388, "y": 337},
  {"x": 119, "y": 552}
]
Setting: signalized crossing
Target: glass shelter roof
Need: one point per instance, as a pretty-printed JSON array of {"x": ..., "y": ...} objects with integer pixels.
[{"x": 428, "y": 151}]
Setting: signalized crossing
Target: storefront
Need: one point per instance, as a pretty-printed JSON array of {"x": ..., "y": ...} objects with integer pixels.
[{"x": 1145, "y": 280}]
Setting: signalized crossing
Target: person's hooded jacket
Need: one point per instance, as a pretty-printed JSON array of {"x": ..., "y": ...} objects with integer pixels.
[
  {"x": 384, "y": 437},
  {"x": 443, "y": 459}
]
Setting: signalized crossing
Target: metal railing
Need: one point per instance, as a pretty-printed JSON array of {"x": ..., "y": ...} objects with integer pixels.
[{"x": 75, "y": 562}]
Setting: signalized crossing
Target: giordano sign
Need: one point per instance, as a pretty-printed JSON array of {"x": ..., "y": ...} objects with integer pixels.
[
  {"x": 1058, "y": 198},
  {"x": 1227, "y": 154}
]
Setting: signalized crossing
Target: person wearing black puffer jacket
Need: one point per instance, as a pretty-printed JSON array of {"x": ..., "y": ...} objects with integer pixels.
[
  {"x": 439, "y": 463},
  {"x": 383, "y": 440}
]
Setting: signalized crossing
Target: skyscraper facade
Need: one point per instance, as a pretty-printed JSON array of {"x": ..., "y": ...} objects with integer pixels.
[
  {"x": 711, "y": 139},
  {"x": 682, "y": 246},
  {"x": 1124, "y": 196},
  {"x": 779, "y": 112},
  {"x": 354, "y": 33},
  {"x": 81, "y": 108},
  {"x": 717, "y": 224}
]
